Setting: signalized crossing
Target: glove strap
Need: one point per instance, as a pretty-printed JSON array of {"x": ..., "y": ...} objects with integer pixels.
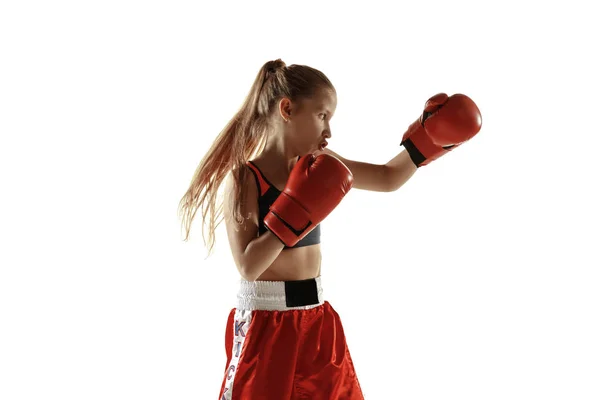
[{"x": 288, "y": 220}]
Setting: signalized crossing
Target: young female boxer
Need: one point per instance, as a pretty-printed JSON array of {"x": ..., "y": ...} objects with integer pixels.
[{"x": 283, "y": 340}]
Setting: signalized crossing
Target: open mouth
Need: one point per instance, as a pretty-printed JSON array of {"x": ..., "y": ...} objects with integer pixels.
[{"x": 322, "y": 145}]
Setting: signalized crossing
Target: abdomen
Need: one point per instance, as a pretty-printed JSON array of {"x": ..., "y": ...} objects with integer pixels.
[{"x": 295, "y": 264}]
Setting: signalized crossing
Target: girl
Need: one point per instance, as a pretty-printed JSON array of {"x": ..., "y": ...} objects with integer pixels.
[{"x": 283, "y": 340}]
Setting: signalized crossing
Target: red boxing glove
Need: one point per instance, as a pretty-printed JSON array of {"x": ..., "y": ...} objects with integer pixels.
[
  {"x": 446, "y": 123},
  {"x": 315, "y": 187}
]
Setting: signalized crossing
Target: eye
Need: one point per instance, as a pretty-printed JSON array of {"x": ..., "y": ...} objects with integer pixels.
[{"x": 323, "y": 116}]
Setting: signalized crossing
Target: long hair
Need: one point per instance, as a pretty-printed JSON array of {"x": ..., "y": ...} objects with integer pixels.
[{"x": 243, "y": 136}]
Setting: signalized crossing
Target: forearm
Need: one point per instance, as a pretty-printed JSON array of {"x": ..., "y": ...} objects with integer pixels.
[
  {"x": 399, "y": 170},
  {"x": 259, "y": 255}
]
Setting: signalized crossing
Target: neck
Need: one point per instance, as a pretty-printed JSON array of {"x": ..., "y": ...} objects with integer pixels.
[{"x": 280, "y": 153}]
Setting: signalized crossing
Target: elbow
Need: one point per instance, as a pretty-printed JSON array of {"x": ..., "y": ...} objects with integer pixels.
[
  {"x": 394, "y": 185},
  {"x": 389, "y": 183},
  {"x": 248, "y": 271},
  {"x": 392, "y": 188},
  {"x": 395, "y": 178}
]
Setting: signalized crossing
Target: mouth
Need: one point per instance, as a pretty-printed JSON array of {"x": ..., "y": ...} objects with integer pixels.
[{"x": 323, "y": 145}]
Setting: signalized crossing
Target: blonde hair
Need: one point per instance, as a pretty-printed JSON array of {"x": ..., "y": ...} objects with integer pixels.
[{"x": 243, "y": 136}]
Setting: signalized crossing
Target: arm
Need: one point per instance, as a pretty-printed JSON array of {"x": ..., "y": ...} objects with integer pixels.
[
  {"x": 386, "y": 177},
  {"x": 252, "y": 254},
  {"x": 447, "y": 122}
]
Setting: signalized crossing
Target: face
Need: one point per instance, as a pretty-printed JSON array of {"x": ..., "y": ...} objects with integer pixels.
[{"x": 308, "y": 122}]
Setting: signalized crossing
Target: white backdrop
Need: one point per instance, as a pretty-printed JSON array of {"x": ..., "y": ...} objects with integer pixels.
[{"x": 478, "y": 279}]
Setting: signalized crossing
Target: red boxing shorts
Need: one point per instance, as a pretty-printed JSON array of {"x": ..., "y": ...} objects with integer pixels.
[{"x": 283, "y": 341}]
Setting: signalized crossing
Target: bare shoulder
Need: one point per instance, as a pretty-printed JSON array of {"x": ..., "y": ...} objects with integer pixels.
[
  {"x": 334, "y": 154},
  {"x": 351, "y": 164},
  {"x": 240, "y": 234},
  {"x": 248, "y": 193}
]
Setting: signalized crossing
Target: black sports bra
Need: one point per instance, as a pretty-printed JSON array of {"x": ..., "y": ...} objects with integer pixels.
[{"x": 267, "y": 194}]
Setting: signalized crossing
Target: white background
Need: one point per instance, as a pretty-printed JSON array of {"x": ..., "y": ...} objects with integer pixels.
[{"x": 478, "y": 279}]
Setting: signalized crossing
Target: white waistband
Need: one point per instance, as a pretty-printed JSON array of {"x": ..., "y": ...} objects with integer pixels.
[{"x": 270, "y": 295}]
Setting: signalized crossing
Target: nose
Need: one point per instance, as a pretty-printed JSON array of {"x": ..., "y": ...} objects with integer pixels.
[{"x": 327, "y": 134}]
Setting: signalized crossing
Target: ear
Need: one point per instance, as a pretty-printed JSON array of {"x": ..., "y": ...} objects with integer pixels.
[{"x": 285, "y": 108}]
